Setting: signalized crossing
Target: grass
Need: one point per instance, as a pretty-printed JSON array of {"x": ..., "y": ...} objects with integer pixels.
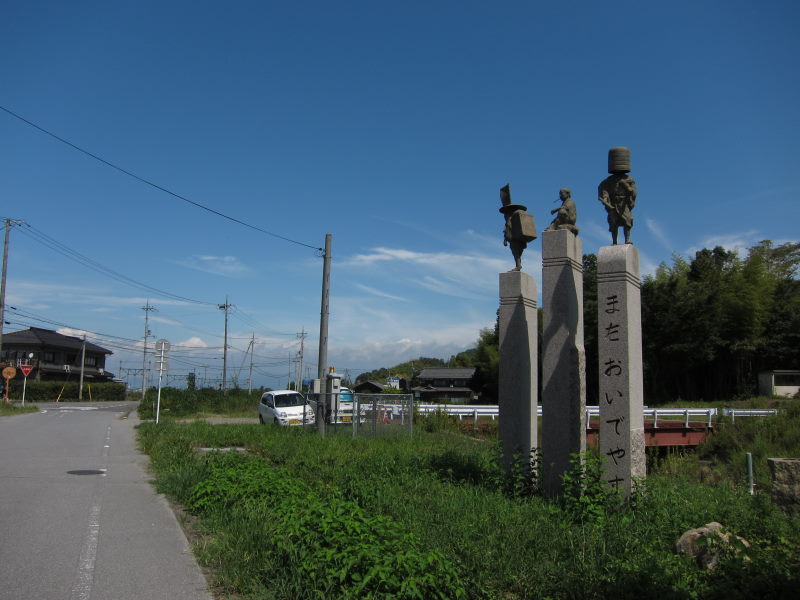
[
  {"x": 15, "y": 409},
  {"x": 307, "y": 517}
]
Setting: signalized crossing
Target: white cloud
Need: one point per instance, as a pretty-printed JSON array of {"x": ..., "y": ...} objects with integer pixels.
[
  {"x": 736, "y": 242},
  {"x": 78, "y": 333},
  {"x": 225, "y": 266},
  {"x": 192, "y": 343}
]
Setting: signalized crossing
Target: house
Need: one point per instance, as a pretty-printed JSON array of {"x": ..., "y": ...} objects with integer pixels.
[
  {"x": 55, "y": 357},
  {"x": 369, "y": 387},
  {"x": 447, "y": 385}
]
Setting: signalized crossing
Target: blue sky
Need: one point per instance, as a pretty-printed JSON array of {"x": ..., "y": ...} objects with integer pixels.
[{"x": 391, "y": 126}]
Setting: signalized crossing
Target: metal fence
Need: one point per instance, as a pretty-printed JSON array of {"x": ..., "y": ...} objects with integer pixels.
[{"x": 383, "y": 414}]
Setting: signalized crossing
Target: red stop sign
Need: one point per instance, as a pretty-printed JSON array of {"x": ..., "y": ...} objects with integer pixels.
[{"x": 26, "y": 369}]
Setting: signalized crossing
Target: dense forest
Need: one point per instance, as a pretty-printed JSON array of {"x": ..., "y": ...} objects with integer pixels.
[{"x": 709, "y": 325}]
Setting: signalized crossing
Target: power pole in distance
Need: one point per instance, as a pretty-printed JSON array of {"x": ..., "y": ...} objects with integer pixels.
[
  {"x": 225, "y": 307},
  {"x": 146, "y": 308}
]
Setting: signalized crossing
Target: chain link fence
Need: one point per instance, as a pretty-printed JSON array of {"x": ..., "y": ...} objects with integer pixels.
[{"x": 383, "y": 414}]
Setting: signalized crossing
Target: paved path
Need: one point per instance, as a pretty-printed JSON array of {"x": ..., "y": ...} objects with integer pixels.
[{"x": 75, "y": 536}]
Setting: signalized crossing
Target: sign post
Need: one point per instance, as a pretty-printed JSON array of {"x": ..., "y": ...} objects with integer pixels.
[
  {"x": 26, "y": 370},
  {"x": 8, "y": 373}
]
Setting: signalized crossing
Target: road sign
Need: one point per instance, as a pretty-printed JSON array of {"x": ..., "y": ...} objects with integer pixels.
[
  {"x": 9, "y": 372},
  {"x": 162, "y": 346},
  {"x": 26, "y": 369}
]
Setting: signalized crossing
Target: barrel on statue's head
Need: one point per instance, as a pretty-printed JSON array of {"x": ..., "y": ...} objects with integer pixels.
[
  {"x": 619, "y": 160},
  {"x": 523, "y": 227}
]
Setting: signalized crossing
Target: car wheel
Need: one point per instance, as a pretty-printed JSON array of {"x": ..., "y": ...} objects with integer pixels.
[{"x": 260, "y": 419}]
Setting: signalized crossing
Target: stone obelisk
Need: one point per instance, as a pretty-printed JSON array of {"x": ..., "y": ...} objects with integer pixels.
[
  {"x": 563, "y": 356},
  {"x": 619, "y": 324},
  {"x": 619, "y": 334},
  {"x": 518, "y": 369}
]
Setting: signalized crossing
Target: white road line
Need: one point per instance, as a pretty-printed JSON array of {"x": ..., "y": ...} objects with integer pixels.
[{"x": 82, "y": 589}]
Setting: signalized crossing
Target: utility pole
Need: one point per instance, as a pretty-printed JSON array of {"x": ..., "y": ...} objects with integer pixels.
[
  {"x": 83, "y": 362},
  {"x": 302, "y": 336},
  {"x": 322, "y": 361},
  {"x": 9, "y": 223},
  {"x": 225, "y": 307},
  {"x": 250, "y": 376},
  {"x": 146, "y": 308}
]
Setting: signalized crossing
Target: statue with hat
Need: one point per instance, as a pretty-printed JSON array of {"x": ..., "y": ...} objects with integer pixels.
[
  {"x": 567, "y": 213},
  {"x": 520, "y": 227},
  {"x": 617, "y": 193}
]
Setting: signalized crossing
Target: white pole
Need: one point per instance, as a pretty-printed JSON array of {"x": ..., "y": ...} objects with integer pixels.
[{"x": 24, "y": 385}]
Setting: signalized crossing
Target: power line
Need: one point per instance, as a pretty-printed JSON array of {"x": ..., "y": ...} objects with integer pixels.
[
  {"x": 151, "y": 184},
  {"x": 65, "y": 250}
]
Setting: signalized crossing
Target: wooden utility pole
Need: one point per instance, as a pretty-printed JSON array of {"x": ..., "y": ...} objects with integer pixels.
[
  {"x": 322, "y": 361},
  {"x": 9, "y": 223}
]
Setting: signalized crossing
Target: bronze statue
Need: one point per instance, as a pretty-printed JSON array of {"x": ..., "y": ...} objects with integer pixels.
[
  {"x": 617, "y": 192},
  {"x": 520, "y": 226},
  {"x": 567, "y": 213}
]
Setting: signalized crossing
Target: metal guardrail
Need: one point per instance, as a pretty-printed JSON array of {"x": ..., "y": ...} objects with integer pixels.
[
  {"x": 708, "y": 415},
  {"x": 748, "y": 412}
]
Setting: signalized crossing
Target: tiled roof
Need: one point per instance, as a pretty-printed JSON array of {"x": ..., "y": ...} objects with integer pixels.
[{"x": 36, "y": 336}]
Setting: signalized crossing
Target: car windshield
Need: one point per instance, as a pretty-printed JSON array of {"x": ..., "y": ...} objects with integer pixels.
[
  {"x": 346, "y": 396},
  {"x": 284, "y": 400}
]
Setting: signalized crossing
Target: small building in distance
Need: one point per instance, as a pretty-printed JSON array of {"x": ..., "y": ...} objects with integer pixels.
[
  {"x": 779, "y": 383},
  {"x": 369, "y": 387},
  {"x": 56, "y": 357},
  {"x": 454, "y": 386}
]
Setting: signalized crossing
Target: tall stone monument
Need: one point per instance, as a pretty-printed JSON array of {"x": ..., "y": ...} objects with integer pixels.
[
  {"x": 518, "y": 376},
  {"x": 564, "y": 357},
  {"x": 619, "y": 322}
]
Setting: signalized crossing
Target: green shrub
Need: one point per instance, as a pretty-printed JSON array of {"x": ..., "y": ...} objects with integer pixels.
[
  {"x": 52, "y": 391},
  {"x": 185, "y": 402}
]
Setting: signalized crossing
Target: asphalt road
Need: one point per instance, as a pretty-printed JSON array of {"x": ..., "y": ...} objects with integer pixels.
[{"x": 78, "y": 518}]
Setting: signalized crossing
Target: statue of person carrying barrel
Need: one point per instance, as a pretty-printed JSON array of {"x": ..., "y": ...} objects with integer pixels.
[
  {"x": 520, "y": 227},
  {"x": 617, "y": 193}
]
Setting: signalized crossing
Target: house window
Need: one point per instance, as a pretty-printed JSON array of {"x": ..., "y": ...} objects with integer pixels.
[
  {"x": 49, "y": 357},
  {"x": 71, "y": 359},
  {"x": 91, "y": 361}
]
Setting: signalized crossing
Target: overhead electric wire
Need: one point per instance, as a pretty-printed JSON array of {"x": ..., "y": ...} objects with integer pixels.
[
  {"x": 65, "y": 250},
  {"x": 154, "y": 185}
]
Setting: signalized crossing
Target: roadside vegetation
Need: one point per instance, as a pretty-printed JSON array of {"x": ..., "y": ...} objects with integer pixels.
[
  {"x": 299, "y": 516},
  {"x": 199, "y": 403},
  {"x": 15, "y": 409}
]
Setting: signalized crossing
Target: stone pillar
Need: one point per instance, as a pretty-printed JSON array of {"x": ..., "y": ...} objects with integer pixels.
[
  {"x": 563, "y": 356},
  {"x": 518, "y": 381},
  {"x": 619, "y": 335}
]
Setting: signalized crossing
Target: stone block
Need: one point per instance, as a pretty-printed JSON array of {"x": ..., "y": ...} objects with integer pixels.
[
  {"x": 518, "y": 372},
  {"x": 564, "y": 357}
]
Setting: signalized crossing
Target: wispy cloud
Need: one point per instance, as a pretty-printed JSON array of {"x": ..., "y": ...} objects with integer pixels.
[
  {"x": 164, "y": 320},
  {"x": 658, "y": 233},
  {"x": 446, "y": 273},
  {"x": 379, "y": 293},
  {"x": 224, "y": 266}
]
